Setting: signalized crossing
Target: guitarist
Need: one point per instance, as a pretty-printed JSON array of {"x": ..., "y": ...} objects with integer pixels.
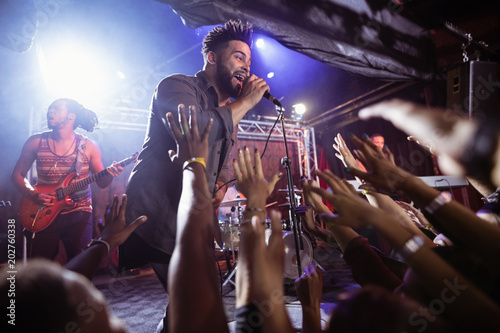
[{"x": 57, "y": 153}]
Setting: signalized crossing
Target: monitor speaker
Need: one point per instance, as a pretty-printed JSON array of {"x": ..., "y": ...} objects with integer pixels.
[{"x": 474, "y": 89}]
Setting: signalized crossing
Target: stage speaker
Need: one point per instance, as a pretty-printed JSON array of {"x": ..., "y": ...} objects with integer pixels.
[{"x": 474, "y": 89}]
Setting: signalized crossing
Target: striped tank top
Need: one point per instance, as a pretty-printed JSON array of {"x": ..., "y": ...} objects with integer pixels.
[{"x": 52, "y": 169}]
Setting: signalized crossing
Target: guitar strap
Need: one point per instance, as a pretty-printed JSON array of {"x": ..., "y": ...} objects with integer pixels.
[{"x": 80, "y": 153}]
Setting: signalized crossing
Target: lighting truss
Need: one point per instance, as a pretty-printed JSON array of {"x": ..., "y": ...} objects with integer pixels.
[{"x": 296, "y": 133}]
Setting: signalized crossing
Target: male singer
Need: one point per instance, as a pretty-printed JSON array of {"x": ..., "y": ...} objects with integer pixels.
[{"x": 154, "y": 186}]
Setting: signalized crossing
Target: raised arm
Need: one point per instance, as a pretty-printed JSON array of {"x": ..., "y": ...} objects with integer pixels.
[
  {"x": 464, "y": 146},
  {"x": 259, "y": 278},
  {"x": 309, "y": 288},
  {"x": 342, "y": 235},
  {"x": 187, "y": 284},
  {"x": 379, "y": 200},
  {"x": 434, "y": 274},
  {"x": 458, "y": 223},
  {"x": 115, "y": 233}
]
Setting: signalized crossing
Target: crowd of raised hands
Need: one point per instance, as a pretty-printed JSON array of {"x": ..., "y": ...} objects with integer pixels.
[
  {"x": 440, "y": 284},
  {"x": 430, "y": 288}
]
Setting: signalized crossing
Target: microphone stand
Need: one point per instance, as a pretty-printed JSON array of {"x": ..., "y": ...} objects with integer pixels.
[{"x": 299, "y": 246}]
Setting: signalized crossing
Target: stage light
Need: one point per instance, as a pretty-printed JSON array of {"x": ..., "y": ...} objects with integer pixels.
[
  {"x": 298, "y": 111},
  {"x": 299, "y": 108},
  {"x": 260, "y": 43},
  {"x": 75, "y": 72},
  {"x": 270, "y": 75}
]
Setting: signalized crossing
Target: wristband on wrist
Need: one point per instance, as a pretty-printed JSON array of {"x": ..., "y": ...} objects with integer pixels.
[
  {"x": 411, "y": 246},
  {"x": 440, "y": 200},
  {"x": 100, "y": 241},
  {"x": 200, "y": 160},
  {"x": 249, "y": 220}
]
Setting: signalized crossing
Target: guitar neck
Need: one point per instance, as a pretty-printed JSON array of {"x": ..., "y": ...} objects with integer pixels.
[
  {"x": 85, "y": 182},
  {"x": 93, "y": 178}
]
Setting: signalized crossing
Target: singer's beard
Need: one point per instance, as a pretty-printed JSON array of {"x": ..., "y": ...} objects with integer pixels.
[{"x": 225, "y": 80}]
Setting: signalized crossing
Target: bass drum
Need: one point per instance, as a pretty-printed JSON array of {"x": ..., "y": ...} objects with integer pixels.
[{"x": 291, "y": 270}]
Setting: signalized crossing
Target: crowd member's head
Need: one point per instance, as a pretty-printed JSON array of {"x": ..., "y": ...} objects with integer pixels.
[
  {"x": 49, "y": 298},
  {"x": 378, "y": 140},
  {"x": 67, "y": 110},
  {"x": 226, "y": 50}
]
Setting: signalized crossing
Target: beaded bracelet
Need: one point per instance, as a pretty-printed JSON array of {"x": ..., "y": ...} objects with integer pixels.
[
  {"x": 200, "y": 160},
  {"x": 249, "y": 220},
  {"x": 441, "y": 199},
  {"x": 411, "y": 246},
  {"x": 101, "y": 241}
]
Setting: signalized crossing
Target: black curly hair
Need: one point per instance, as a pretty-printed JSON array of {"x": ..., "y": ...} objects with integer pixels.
[{"x": 220, "y": 36}]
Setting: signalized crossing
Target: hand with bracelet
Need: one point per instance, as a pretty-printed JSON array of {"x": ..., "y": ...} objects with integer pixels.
[
  {"x": 373, "y": 157},
  {"x": 428, "y": 267},
  {"x": 194, "y": 236},
  {"x": 191, "y": 148},
  {"x": 252, "y": 184},
  {"x": 259, "y": 278},
  {"x": 115, "y": 233},
  {"x": 455, "y": 221}
]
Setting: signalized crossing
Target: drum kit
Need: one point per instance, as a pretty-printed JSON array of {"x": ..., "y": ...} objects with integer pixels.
[{"x": 230, "y": 230}]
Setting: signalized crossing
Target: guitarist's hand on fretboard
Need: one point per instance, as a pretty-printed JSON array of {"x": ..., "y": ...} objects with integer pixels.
[{"x": 114, "y": 169}]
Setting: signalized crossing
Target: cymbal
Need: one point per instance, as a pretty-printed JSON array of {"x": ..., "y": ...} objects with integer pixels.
[{"x": 234, "y": 202}]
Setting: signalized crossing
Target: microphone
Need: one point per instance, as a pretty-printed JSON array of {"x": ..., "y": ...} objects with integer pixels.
[{"x": 273, "y": 99}]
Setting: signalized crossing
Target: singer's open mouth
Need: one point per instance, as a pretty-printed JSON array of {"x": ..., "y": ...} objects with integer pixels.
[{"x": 239, "y": 77}]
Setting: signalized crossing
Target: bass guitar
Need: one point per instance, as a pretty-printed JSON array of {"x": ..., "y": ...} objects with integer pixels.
[{"x": 35, "y": 218}]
